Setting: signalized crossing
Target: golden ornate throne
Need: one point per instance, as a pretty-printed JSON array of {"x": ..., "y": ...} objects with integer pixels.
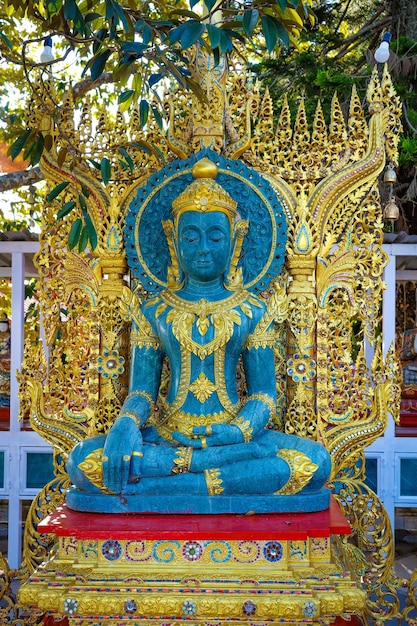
[{"x": 326, "y": 175}]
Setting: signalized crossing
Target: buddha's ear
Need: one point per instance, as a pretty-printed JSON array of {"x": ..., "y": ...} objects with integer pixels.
[
  {"x": 235, "y": 277},
  {"x": 173, "y": 273}
]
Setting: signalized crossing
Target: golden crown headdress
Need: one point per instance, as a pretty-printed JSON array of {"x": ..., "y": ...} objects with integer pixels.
[{"x": 204, "y": 195}]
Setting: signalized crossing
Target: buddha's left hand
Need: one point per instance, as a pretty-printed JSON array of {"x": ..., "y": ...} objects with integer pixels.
[{"x": 212, "y": 435}]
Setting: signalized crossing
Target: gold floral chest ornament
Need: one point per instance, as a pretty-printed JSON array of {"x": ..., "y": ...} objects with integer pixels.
[{"x": 222, "y": 316}]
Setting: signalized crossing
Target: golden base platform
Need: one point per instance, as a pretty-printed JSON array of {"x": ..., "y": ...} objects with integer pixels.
[{"x": 120, "y": 570}]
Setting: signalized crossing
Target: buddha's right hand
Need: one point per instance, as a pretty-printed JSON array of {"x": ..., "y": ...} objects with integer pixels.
[{"x": 122, "y": 454}]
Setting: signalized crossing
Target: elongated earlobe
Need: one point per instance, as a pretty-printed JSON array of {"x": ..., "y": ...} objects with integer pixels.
[
  {"x": 174, "y": 280},
  {"x": 235, "y": 278}
]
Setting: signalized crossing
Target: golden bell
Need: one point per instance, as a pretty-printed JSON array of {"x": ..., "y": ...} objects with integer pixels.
[
  {"x": 390, "y": 177},
  {"x": 391, "y": 211}
]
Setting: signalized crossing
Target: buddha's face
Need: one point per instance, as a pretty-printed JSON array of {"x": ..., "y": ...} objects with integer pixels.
[{"x": 204, "y": 244}]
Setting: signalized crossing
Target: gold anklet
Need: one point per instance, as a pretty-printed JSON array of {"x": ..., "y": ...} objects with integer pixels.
[
  {"x": 183, "y": 461},
  {"x": 301, "y": 470},
  {"x": 213, "y": 482}
]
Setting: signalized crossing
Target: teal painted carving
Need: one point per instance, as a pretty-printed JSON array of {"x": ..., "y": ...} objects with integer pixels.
[{"x": 205, "y": 452}]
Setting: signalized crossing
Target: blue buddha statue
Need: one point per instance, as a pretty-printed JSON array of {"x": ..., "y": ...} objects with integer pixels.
[{"x": 206, "y": 452}]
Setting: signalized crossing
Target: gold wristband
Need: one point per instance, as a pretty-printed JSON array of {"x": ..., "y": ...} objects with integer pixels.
[
  {"x": 133, "y": 416},
  {"x": 265, "y": 398},
  {"x": 244, "y": 427},
  {"x": 142, "y": 394}
]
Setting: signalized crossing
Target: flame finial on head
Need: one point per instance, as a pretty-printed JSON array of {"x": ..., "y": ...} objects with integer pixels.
[{"x": 204, "y": 195}]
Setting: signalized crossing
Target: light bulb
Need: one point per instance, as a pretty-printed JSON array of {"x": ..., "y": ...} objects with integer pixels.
[
  {"x": 47, "y": 56},
  {"x": 382, "y": 52}
]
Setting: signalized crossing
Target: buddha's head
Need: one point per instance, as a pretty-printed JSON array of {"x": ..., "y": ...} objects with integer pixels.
[{"x": 204, "y": 226}]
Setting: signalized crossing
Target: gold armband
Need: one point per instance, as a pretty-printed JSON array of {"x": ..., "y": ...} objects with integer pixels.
[
  {"x": 183, "y": 461},
  {"x": 261, "y": 339},
  {"x": 263, "y": 397},
  {"x": 301, "y": 470},
  {"x": 244, "y": 427},
  {"x": 139, "y": 339}
]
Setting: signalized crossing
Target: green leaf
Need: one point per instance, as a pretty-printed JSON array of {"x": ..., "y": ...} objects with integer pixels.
[
  {"x": 91, "y": 231},
  {"x": 128, "y": 158},
  {"x": 226, "y": 44},
  {"x": 65, "y": 209},
  {"x": 99, "y": 63},
  {"x": 250, "y": 20},
  {"x": 209, "y": 4},
  {"x": 282, "y": 4},
  {"x": 18, "y": 144},
  {"x": 214, "y": 33},
  {"x": 158, "y": 117},
  {"x": 74, "y": 234},
  {"x": 270, "y": 32},
  {"x": 125, "y": 95},
  {"x": 105, "y": 168},
  {"x": 6, "y": 41},
  {"x": 82, "y": 201},
  {"x": 185, "y": 13},
  {"x": 70, "y": 9},
  {"x": 143, "y": 112},
  {"x": 56, "y": 191},
  {"x": 83, "y": 241},
  {"x": 96, "y": 164},
  {"x": 175, "y": 34},
  {"x": 283, "y": 34},
  {"x": 122, "y": 16},
  {"x": 192, "y": 33},
  {"x": 38, "y": 150}
]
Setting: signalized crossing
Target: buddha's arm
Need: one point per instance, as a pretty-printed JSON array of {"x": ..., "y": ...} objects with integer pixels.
[
  {"x": 260, "y": 403},
  {"x": 123, "y": 445}
]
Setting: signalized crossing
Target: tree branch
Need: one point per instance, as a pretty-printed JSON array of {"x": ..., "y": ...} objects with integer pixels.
[{"x": 14, "y": 180}]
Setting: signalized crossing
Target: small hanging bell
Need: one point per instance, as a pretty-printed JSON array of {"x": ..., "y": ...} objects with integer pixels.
[
  {"x": 391, "y": 211},
  {"x": 390, "y": 177}
]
